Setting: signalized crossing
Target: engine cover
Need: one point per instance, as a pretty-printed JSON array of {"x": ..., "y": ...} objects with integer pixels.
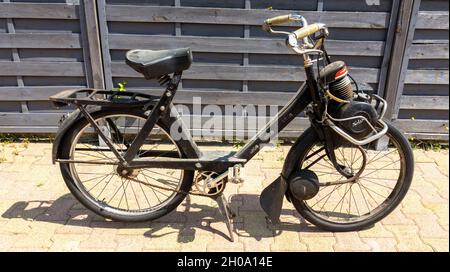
[
  {"x": 304, "y": 184},
  {"x": 357, "y": 128}
]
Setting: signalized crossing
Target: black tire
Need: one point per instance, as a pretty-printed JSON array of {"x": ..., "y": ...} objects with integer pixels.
[
  {"x": 97, "y": 207},
  {"x": 310, "y": 139}
]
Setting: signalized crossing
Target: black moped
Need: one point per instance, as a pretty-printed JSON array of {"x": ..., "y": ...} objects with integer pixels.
[{"x": 120, "y": 158}]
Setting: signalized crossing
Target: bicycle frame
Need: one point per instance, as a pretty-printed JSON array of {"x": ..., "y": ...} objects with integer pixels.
[{"x": 165, "y": 109}]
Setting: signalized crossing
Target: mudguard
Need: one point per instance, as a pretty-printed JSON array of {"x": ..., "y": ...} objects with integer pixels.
[
  {"x": 188, "y": 147},
  {"x": 66, "y": 122},
  {"x": 272, "y": 196}
]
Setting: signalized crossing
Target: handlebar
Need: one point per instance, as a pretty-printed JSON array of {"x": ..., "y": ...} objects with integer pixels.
[
  {"x": 299, "y": 34},
  {"x": 307, "y": 31},
  {"x": 278, "y": 20}
]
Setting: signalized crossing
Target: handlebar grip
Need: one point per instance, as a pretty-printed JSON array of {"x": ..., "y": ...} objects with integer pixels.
[
  {"x": 306, "y": 31},
  {"x": 278, "y": 20}
]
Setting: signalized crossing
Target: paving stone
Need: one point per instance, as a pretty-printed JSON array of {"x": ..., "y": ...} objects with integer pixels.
[
  {"x": 318, "y": 243},
  {"x": 349, "y": 241},
  {"x": 196, "y": 241},
  {"x": 100, "y": 239},
  {"x": 404, "y": 231},
  {"x": 37, "y": 213},
  {"x": 288, "y": 241},
  {"x": 377, "y": 231},
  {"x": 16, "y": 226},
  {"x": 397, "y": 217},
  {"x": 439, "y": 245},
  {"x": 7, "y": 240},
  {"x": 129, "y": 243},
  {"x": 381, "y": 244},
  {"x": 429, "y": 226},
  {"x": 253, "y": 244},
  {"x": 67, "y": 242},
  {"x": 213, "y": 246},
  {"x": 163, "y": 237},
  {"x": 413, "y": 245}
]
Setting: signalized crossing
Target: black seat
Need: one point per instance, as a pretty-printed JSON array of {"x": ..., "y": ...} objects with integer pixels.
[{"x": 157, "y": 63}]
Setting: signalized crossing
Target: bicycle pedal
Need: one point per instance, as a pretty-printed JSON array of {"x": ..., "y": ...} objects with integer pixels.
[{"x": 236, "y": 174}]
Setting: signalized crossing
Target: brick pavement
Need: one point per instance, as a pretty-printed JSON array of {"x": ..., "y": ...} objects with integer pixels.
[{"x": 37, "y": 213}]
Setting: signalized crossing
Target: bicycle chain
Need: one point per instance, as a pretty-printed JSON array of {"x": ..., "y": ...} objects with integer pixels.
[{"x": 178, "y": 191}]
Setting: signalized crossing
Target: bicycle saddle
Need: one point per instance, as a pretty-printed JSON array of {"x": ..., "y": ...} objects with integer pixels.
[{"x": 157, "y": 63}]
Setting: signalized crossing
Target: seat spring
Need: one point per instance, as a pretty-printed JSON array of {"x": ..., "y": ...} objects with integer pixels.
[{"x": 163, "y": 80}]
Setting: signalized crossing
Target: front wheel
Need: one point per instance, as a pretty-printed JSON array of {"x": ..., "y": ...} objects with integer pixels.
[{"x": 381, "y": 186}]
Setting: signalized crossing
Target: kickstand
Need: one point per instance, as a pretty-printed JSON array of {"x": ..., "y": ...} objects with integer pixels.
[{"x": 226, "y": 211}]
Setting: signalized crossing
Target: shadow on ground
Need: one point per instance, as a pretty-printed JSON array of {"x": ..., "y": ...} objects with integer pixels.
[{"x": 186, "y": 220}]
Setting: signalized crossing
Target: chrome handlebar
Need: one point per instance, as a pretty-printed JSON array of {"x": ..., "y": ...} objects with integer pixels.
[{"x": 300, "y": 34}]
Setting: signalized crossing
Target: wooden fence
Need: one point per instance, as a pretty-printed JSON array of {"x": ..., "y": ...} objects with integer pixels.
[{"x": 47, "y": 47}]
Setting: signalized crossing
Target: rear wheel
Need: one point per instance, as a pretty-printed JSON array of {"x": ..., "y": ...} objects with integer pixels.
[
  {"x": 381, "y": 186},
  {"x": 115, "y": 192}
]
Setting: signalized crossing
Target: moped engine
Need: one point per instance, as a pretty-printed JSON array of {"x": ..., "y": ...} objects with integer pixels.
[
  {"x": 304, "y": 184},
  {"x": 344, "y": 104}
]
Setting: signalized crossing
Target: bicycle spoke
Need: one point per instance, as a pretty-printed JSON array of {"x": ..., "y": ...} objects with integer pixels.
[
  {"x": 373, "y": 191},
  {"x": 107, "y": 183},
  {"x": 112, "y": 175},
  {"x": 364, "y": 197},
  {"x": 344, "y": 202},
  {"x": 153, "y": 172},
  {"x": 366, "y": 179},
  {"x": 135, "y": 197},
  {"x": 153, "y": 189},
  {"x": 365, "y": 188},
  {"x": 108, "y": 186},
  {"x": 378, "y": 169},
  {"x": 151, "y": 185},
  {"x": 335, "y": 187},
  {"x": 124, "y": 194},
  {"x": 145, "y": 195}
]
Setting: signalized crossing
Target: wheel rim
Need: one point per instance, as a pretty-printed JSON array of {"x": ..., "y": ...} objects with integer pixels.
[
  {"x": 105, "y": 185},
  {"x": 374, "y": 191}
]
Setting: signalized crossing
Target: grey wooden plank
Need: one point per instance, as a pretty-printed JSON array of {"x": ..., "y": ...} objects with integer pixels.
[
  {"x": 29, "y": 119},
  {"x": 93, "y": 39},
  {"x": 433, "y": 20},
  {"x": 424, "y": 102},
  {"x": 399, "y": 62},
  {"x": 85, "y": 43},
  {"x": 389, "y": 44},
  {"x": 299, "y": 124},
  {"x": 160, "y": 14},
  {"x": 16, "y": 58},
  {"x": 41, "y": 68},
  {"x": 432, "y": 77},
  {"x": 429, "y": 51},
  {"x": 257, "y": 73},
  {"x": 422, "y": 126},
  {"x": 29, "y": 129},
  {"x": 184, "y": 96},
  {"x": 408, "y": 39},
  {"x": 238, "y": 45},
  {"x": 38, "y": 10},
  {"x": 215, "y": 97},
  {"x": 283, "y": 135},
  {"x": 428, "y": 136},
  {"x": 40, "y": 40},
  {"x": 31, "y": 93},
  {"x": 106, "y": 56},
  {"x": 428, "y": 41}
]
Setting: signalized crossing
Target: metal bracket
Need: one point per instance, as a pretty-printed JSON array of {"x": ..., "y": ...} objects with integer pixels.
[
  {"x": 226, "y": 212},
  {"x": 236, "y": 174}
]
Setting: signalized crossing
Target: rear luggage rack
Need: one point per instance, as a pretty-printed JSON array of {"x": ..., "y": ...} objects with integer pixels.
[{"x": 102, "y": 98}]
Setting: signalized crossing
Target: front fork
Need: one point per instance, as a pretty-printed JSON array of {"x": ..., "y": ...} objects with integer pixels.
[{"x": 328, "y": 137}]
